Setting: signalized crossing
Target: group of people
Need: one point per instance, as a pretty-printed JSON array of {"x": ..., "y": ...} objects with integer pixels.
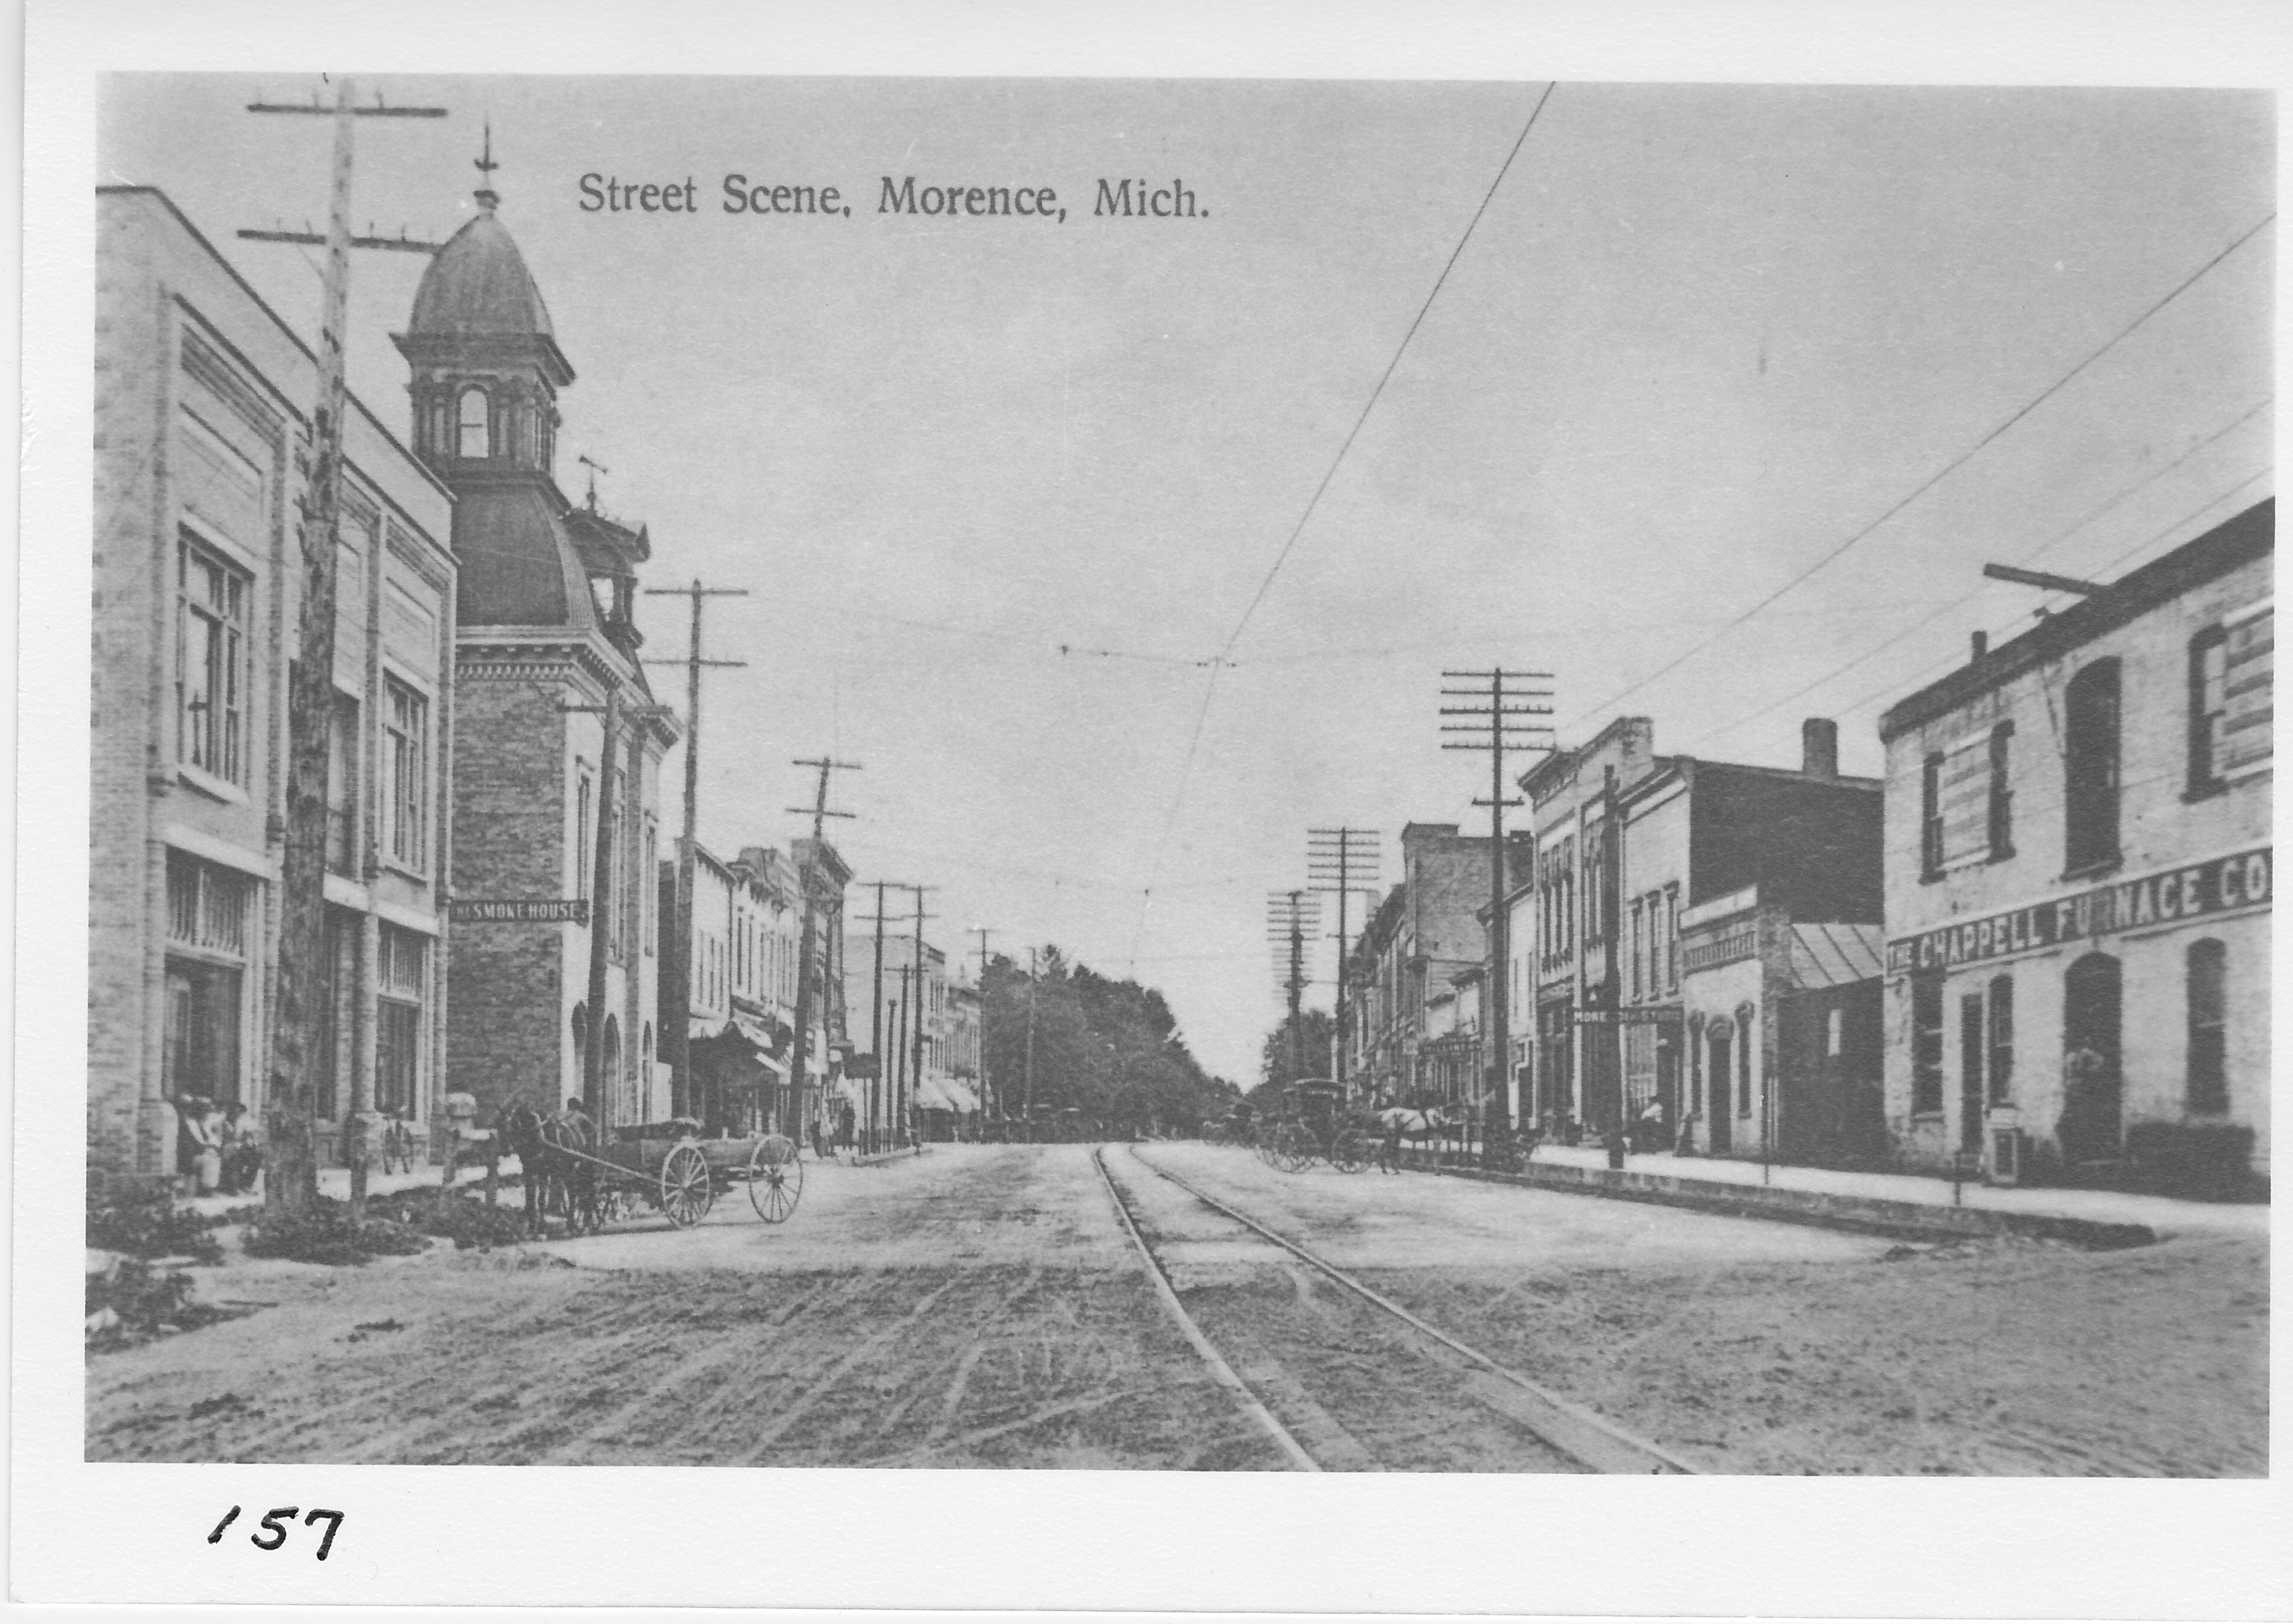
[{"x": 218, "y": 1148}]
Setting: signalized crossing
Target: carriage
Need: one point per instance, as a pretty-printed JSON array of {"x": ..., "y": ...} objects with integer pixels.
[
  {"x": 672, "y": 1167},
  {"x": 1314, "y": 1125}
]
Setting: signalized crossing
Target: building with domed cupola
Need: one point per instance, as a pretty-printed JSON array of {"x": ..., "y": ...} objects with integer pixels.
[{"x": 546, "y": 641}]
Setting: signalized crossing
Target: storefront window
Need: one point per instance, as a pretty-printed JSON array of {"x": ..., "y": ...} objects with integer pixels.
[
  {"x": 2208, "y": 1080},
  {"x": 2002, "y": 1039},
  {"x": 1926, "y": 1045}
]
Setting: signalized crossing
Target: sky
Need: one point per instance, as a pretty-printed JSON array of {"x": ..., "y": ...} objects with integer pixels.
[{"x": 1122, "y": 551}]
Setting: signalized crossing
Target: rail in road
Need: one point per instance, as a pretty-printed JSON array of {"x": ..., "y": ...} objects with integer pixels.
[{"x": 1577, "y": 1438}]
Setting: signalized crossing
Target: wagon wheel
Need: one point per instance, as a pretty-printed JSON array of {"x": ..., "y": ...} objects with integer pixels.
[
  {"x": 1268, "y": 1139},
  {"x": 775, "y": 1179},
  {"x": 1293, "y": 1152},
  {"x": 1350, "y": 1151},
  {"x": 686, "y": 1190}
]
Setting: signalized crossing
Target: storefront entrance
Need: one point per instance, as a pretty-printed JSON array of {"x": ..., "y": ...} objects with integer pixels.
[
  {"x": 1719, "y": 1086},
  {"x": 2093, "y": 1121}
]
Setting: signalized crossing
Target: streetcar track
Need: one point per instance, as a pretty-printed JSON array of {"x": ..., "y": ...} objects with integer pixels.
[
  {"x": 1220, "y": 1371},
  {"x": 1582, "y": 1435}
]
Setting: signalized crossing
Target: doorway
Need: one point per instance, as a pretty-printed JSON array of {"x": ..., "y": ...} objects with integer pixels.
[
  {"x": 1720, "y": 1087},
  {"x": 2092, "y": 1121},
  {"x": 1972, "y": 1036}
]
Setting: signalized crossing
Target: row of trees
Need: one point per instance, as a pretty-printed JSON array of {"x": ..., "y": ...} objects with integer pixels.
[{"x": 1107, "y": 1050}]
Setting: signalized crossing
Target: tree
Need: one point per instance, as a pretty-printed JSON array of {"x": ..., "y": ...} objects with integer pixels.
[
  {"x": 1277, "y": 1062},
  {"x": 1108, "y": 1051}
]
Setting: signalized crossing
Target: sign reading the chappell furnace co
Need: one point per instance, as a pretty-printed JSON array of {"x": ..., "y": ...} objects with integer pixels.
[
  {"x": 2212, "y": 887},
  {"x": 523, "y": 911}
]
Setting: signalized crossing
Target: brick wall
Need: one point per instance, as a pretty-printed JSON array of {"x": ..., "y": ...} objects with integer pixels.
[
  {"x": 506, "y": 987},
  {"x": 129, "y": 402}
]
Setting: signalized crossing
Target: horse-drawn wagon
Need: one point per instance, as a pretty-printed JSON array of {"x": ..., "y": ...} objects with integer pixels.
[
  {"x": 670, "y": 1166},
  {"x": 1314, "y": 1125}
]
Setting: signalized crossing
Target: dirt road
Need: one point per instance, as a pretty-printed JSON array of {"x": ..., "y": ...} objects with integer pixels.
[{"x": 982, "y": 1306}]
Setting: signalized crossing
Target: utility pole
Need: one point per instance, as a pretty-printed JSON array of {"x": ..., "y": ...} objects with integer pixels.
[
  {"x": 291, "y": 1176},
  {"x": 1343, "y": 860},
  {"x": 918, "y": 996},
  {"x": 1289, "y": 915},
  {"x": 675, "y": 1020},
  {"x": 1498, "y": 715},
  {"x": 879, "y": 1091},
  {"x": 818, "y": 813}
]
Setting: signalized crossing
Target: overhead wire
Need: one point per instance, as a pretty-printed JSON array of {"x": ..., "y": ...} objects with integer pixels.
[
  {"x": 1210, "y": 685},
  {"x": 1939, "y": 475},
  {"x": 1906, "y": 684},
  {"x": 2118, "y": 499}
]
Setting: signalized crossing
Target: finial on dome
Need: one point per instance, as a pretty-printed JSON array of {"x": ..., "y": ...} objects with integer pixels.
[{"x": 487, "y": 197}]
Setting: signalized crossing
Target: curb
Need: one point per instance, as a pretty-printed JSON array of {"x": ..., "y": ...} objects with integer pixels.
[{"x": 1862, "y": 1214}]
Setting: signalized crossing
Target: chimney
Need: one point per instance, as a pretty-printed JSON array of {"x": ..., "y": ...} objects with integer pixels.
[
  {"x": 1818, "y": 747},
  {"x": 1978, "y": 645}
]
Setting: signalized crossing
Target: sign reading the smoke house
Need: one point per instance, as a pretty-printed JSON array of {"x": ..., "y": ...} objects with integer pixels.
[
  {"x": 522, "y": 911},
  {"x": 2212, "y": 887}
]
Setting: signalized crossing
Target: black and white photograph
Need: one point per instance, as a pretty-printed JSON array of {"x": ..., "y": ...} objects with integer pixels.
[{"x": 1474, "y": 775}]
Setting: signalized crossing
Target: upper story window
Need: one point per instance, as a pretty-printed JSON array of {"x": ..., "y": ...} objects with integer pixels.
[
  {"x": 2090, "y": 767},
  {"x": 1999, "y": 803},
  {"x": 2208, "y": 708},
  {"x": 406, "y": 776},
  {"x": 649, "y": 888},
  {"x": 211, "y": 614},
  {"x": 2232, "y": 667},
  {"x": 472, "y": 425},
  {"x": 1672, "y": 937},
  {"x": 584, "y": 854},
  {"x": 1930, "y": 818},
  {"x": 615, "y": 802}
]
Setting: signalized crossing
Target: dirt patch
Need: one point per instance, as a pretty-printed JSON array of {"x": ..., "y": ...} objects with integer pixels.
[
  {"x": 500, "y": 1365},
  {"x": 2011, "y": 1357}
]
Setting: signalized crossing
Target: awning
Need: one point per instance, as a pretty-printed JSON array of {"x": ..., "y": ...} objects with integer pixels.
[
  {"x": 1827, "y": 956},
  {"x": 756, "y": 1031},
  {"x": 945, "y": 1094}
]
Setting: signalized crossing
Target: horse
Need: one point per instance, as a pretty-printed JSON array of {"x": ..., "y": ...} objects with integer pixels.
[
  {"x": 518, "y": 1130},
  {"x": 568, "y": 1140},
  {"x": 1400, "y": 1122}
]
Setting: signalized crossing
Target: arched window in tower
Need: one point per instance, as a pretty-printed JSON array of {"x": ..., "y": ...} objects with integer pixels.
[{"x": 473, "y": 436}]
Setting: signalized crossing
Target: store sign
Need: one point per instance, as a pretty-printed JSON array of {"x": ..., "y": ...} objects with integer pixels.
[
  {"x": 522, "y": 911},
  {"x": 1632, "y": 1015},
  {"x": 2191, "y": 892}
]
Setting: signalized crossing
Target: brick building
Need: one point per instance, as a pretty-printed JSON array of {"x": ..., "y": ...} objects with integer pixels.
[
  {"x": 545, "y": 640},
  {"x": 202, "y": 397},
  {"x": 2078, "y": 874},
  {"x": 1420, "y": 936},
  {"x": 1684, "y": 914}
]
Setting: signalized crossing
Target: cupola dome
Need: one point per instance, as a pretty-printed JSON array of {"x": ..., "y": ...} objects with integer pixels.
[{"x": 477, "y": 287}]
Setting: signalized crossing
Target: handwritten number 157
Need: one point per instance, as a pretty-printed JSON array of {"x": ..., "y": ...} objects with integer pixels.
[{"x": 278, "y": 1534}]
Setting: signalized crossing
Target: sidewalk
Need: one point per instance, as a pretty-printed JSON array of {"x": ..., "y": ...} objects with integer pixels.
[
  {"x": 335, "y": 1181},
  {"x": 1881, "y": 1197}
]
